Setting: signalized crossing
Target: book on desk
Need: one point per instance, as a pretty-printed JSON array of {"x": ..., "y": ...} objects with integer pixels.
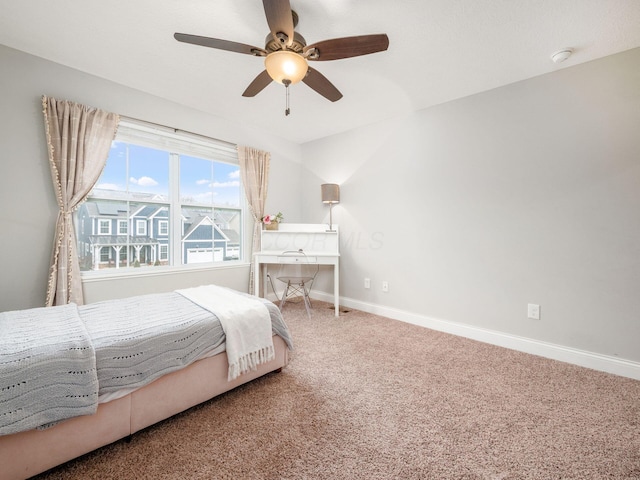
[{"x": 320, "y": 246}]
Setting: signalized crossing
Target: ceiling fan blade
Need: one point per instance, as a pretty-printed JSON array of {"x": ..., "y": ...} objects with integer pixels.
[
  {"x": 220, "y": 44},
  {"x": 258, "y": 84},
  {"x": 347, "y": 47},
  {"x": 320, "y": 84},
  {"x": 280, "y": 19}
]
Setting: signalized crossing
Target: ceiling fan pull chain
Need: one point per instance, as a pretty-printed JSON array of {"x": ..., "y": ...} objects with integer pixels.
[{"x": 286, "y": 83}]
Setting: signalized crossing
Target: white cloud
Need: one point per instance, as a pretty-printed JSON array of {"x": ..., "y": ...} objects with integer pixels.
[
  {"x": 230, "y": 183},
  {"x": 233, "y": 183},
  {"x": 143, "y": 181}
]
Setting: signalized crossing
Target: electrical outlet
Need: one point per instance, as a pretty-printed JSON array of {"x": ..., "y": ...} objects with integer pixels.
[
  {"x": 367, "y": 283},
  {"x": 385, "y": 286},
  {"x": 533, "y": 311}
]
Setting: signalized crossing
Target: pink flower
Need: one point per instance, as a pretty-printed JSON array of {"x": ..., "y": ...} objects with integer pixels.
[{"x": 269, "y": 219}]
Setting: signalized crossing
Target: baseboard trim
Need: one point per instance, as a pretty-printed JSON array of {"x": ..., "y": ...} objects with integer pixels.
[{"x": 583, "y": 358}]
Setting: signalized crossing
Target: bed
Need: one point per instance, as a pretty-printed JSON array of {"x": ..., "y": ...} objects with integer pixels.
[{"x": 107, "y": 370}]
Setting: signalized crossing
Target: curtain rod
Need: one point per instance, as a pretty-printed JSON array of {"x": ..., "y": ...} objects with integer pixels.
[{"x": 176, "y": 130}]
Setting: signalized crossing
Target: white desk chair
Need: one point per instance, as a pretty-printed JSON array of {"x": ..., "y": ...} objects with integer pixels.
[{"x": 298, "y": 275}]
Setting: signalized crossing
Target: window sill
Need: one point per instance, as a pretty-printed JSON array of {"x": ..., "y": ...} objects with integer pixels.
[{"x": 113, "y": 274}]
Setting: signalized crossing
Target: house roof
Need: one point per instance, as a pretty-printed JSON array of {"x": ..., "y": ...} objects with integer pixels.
[
  {"x": 197, "y": 223},
  {"x": 191, "y": 215},
  {"x": 147, "y": 211},
  {"x": 232, "y": 235},
  {"x": 194, "y": 231},
  {"x": 104, "y": 209}
]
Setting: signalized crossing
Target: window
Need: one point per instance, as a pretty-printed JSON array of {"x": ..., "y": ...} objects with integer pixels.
[
  {"x": 173, "y": 198},
  {"x": 104, "y": 227},
  {"x": 141, "y": 228}
]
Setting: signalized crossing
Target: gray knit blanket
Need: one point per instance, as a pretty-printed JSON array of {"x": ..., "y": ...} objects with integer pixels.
[
  {"x": 56, "y": 361},
  {"x": 47, "y": 368},
  {"x": 140, "y": 339}
]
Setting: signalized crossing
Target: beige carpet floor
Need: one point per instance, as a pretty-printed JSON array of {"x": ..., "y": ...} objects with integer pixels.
[{"x": 365, "y": 397}]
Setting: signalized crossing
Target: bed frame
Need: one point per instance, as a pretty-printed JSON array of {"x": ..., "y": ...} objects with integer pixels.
[{"x": 25, "y": 454}]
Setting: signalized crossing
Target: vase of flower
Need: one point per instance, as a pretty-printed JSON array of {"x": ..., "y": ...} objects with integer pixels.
[{"x": 271, "y": 222}]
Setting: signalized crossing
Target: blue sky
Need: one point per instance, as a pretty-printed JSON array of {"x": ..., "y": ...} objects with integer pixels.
[{"x": 201, "y": 181}]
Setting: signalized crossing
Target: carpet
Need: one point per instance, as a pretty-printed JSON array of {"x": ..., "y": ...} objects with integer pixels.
[{"x": 366, "y": 397}]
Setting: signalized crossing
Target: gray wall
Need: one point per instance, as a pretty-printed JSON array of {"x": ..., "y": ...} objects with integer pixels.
[
  {"x": 26, "y": 193},
  {"x": 472, "y": 209}
]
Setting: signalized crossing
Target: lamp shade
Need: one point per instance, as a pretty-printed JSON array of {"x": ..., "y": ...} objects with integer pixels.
[
  {"x": 286, "y": 65},
  {"x": 330, "y": 193}
]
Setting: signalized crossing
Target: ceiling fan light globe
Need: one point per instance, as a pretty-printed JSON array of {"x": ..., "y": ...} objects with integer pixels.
[{"x": 286, "y": 65}]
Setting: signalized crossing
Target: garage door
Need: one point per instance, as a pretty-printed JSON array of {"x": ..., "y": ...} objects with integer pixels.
[{"x": 204, "y": 255}]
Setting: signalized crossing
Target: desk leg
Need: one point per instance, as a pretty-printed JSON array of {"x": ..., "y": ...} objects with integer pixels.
[
  {"x": 336, "y": 288},
  {"x": 264, "y": 279}
]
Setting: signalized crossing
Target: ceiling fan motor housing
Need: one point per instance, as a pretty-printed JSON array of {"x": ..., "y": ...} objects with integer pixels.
[{"x": 273, "y": 45}]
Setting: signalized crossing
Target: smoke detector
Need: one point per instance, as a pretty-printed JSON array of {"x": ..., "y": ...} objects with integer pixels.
[{"x": 561, "y": 55}]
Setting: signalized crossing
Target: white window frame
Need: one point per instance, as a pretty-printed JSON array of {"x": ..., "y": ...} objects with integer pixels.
[
  {"x": 163, "y": 228},
  {"x": 141, "y": 228},
  {"x": 163, "y": 252},
  {"x": 104, "y": 221},
  {"x": 126, "y": 227},
  {"x": 176, "y": 143}
]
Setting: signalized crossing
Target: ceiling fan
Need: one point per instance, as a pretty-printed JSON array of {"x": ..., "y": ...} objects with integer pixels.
[{"x": 286, "y": 52}]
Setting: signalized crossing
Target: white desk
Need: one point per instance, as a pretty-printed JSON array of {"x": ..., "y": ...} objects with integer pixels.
[{"x": 320, "y": 246}]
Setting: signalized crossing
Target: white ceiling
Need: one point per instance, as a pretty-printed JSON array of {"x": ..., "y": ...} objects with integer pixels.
[{"x": 439, "y": 50}]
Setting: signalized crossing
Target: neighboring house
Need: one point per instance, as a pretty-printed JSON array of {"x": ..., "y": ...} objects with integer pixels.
[
  {"x": 109, "y": 236},
  {"x": 204, "y": 241}
]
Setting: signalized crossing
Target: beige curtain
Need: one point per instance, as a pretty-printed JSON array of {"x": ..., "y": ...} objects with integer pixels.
[
  {"x": 78, "y": 141},
  {"x": 254, "y": 171}
]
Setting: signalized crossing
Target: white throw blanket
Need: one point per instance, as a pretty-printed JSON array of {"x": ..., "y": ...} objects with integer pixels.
[{"x": 246, "y": 323}]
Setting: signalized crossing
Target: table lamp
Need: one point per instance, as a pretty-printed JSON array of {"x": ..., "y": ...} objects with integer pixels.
[{"x": 330, "y": 195}]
